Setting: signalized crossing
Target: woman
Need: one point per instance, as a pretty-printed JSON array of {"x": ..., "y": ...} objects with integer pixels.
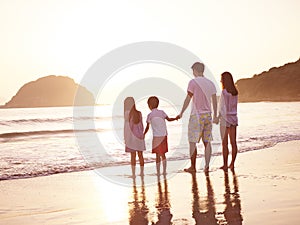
[
  {"x": 228, "y": 118},
  {"x": 134, "y": 134}
]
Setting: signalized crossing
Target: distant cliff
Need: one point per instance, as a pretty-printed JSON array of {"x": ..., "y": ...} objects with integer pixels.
[
  {"x": 277, "y": 84},
  {"x": 50, "y": 91}
]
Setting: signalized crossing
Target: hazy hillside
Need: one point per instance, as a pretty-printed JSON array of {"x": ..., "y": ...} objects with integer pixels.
[
  {"x": 277, "y": 84},
  {"x": 50, "y": 91}
]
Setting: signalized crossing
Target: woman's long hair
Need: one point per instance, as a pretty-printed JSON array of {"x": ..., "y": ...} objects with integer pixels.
[
  {"x": 129, "y": 105},
  {"x": 228, "y": 84}
]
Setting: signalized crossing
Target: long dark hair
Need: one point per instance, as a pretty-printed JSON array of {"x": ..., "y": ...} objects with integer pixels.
[
  {"x": 129, "y": 105},
  {"x": 228, "y": 84}
]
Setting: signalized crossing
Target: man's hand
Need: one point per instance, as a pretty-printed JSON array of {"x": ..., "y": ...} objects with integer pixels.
[{"x": 216, "y": 119}]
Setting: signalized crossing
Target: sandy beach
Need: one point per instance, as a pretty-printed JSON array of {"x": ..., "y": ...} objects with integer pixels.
[{"x": 264, "y": 189}]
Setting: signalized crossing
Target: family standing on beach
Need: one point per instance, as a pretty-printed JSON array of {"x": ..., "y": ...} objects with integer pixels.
[{"x": 202, "y": 92}]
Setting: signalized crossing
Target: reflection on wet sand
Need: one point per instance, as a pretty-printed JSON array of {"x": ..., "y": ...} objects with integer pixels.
[
  {"x": 232, "y": 211},
  {"x": 207, "y": 207},
  {"x": 204, "y": 210},
  {"x": 163, "y": 205},
  {"x": 138, "y": 210}
]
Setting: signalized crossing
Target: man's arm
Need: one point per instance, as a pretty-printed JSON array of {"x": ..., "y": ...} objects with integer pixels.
[
  {"x": 215, "y": 107},
  {"x": 185, "y": 104}
]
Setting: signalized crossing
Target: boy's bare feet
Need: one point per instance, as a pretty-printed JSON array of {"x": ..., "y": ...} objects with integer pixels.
[{"x": 206, "y": 169}]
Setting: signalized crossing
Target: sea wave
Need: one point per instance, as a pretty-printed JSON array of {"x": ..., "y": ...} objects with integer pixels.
[
  {"x": 55, "y": 120},
  {"x": 43, "y": 133},
  {"x": 54, "y": 169}
]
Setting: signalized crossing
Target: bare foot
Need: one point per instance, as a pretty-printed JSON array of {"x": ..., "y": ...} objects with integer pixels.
[
  {"x": 231, "y": 166},
  {"x": 206, "y": 169},
  {"x": 165, "y": 176},
  {"x": 224, "y": 167},
  {"x": 190, "y": 170}
]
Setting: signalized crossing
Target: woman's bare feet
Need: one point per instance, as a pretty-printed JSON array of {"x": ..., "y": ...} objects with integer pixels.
[
  {"x": 224, "y": 167},
  {"x": 190, "y": 170}
]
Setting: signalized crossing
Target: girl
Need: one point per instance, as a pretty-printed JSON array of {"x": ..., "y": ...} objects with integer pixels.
[
  {"x": 133, "y": 134},
  {"x": 228, "y": 118}
]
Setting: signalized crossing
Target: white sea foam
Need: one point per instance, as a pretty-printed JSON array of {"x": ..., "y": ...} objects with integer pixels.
[{"x": 41, "y": 141}]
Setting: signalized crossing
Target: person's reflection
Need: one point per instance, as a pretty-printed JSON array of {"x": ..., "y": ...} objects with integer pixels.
[
  {"x": 163, "y": 204},
  {"x": 203, "y": 212},
  {"x": 138, "y": 210},
  {"x": 232, "y": 212}
]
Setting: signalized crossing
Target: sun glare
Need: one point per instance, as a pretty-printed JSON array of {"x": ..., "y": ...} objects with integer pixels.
[
  {"x": 115, "y": 84},
  {"x": 114, "y": 200}
]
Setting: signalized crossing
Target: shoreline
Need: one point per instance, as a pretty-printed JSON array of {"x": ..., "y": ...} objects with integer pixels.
[
  {"x": 264, "y": 188},
  {"x": 200, "y": 157}
]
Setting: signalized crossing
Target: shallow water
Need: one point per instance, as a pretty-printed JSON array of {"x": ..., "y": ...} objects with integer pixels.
[{"x": 42, "y": 141}]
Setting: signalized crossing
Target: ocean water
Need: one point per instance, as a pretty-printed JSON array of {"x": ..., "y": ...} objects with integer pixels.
[{"x": 43, "y": 141}]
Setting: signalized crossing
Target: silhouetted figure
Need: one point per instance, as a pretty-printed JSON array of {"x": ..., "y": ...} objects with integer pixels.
[
  {"x": 228, "y": 118},
  {"x": 204, "y": 211},
  {"x": 134, "y": 134},
  {"x": 138, "y": 210},
  {"x": 202, "y": 92},
  {"x": 163, "y": 204},
  {"x": 157, "y": 119}
]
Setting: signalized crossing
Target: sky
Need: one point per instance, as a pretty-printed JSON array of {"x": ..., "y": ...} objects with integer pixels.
[{"x": 65, "y": 37}]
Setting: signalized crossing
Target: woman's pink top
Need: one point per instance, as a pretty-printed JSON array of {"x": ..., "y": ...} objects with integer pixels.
[{"x": 228, "y": 107}]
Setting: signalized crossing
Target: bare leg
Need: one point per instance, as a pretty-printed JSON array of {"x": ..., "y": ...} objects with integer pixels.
[
  {"x": 207, "y": 155},
  {"x": 157, "y": 164},
  {"x": 225, "y": 151},
  {"x": 193, "y": 156},
  {"x": 133, "y": 162},
  {"x": 164, "y": 163},
  {"x": 141, "y": 159},
  {"x": 232, "y": 136}
]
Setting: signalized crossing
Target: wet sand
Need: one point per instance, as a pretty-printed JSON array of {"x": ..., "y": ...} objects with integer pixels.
[{"x": 263, "y": 189}]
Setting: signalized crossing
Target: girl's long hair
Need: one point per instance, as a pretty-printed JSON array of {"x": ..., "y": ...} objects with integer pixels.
[
  {"x": 129, "y": 105},
  {"x": 228, "y": 84}
]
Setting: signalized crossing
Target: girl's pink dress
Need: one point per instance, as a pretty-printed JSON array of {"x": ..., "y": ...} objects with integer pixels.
[{"x": 133, "y": 134}]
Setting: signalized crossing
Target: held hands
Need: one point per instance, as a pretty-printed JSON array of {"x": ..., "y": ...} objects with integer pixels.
[
  {"x": 179, "y": 116},
  {"x": 216, "y": 119}
]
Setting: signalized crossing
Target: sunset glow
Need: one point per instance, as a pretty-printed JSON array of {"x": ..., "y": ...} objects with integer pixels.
[{"x": 41, "y": 38}]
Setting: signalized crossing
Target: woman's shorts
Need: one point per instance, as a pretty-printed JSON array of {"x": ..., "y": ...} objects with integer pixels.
[{"x": 231, "y": 121}]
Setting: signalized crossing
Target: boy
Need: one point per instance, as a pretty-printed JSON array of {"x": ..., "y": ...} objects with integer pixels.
[{"x": 159, "y": 129}]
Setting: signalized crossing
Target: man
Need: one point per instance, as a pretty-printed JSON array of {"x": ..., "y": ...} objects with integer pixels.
[{"x": 202, "y": 91}]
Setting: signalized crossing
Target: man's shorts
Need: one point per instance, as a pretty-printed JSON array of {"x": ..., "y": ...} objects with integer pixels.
[{"x": 200, "y": 126}]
